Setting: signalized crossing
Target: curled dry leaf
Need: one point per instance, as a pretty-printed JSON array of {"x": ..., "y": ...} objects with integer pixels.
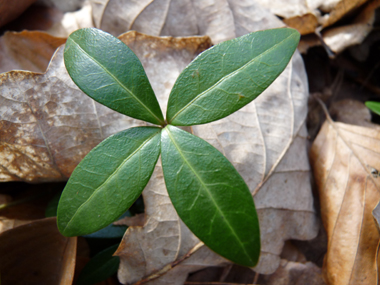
[
  {"x": 342, "y": 37},
  {"x": 47, "y": 256},
  {"x": 27, "y": 50},
  {"x": 345, "y": 158}
]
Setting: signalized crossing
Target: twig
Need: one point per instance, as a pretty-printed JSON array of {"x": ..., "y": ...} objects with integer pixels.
[{"x": 170, "y": 266}]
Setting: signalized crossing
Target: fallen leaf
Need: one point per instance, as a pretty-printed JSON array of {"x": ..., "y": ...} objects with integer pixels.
[
  {"x": 10, "y": 10},
  {"x": 343, "y": 157},
  {"x": 47, "y": 256},
  {"x": 167, "y": 18},
  {"x": 65, "y": 6},
  {"x": 27, "y": 50},
  {"x": 73, "y": 21},
  {"x": 305, "y": 24},
  {"x": 340, "y": 9},
  {"x": 44, "y": 131},
  {"x": 266, "y": 141},
  {"x": 351, "y": 112},
  {"x": 137, "y": 220},
  {"x": 376, "y": 215},
  {"x": 340, "y": 38},
  {"x": 295, "y": 273}
]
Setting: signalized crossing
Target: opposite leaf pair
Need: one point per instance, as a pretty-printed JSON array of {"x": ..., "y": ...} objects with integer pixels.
[{"x": 207, "y": 192}]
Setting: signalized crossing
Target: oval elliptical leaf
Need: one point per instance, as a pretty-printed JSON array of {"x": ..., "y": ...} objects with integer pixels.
[
  {"x": 108, "y": 180},
  {"x": 106, "y": 69},
  {"x": 228, "y": 76},
  {"x": 210, "y": 196}
]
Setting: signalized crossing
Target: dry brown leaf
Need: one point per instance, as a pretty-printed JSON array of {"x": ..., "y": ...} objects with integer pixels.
[
  {"x": 27, "y": 50},
  {"x": 351, "y": 112},
  {"x": 64, "y": 6},
  {"x": 36, "y": 253},
  {"x": 376, "y": 216},
  {"x": 340, "y": 38},
  {"x": 10, "y": 10},
  {"x": 343, "y": 157},
  {"x": 341, "y": 8},
  {"x": 305, "y": 24},
  {"x": 295, "y": 273},
  {"x": 266, "y": 141}
]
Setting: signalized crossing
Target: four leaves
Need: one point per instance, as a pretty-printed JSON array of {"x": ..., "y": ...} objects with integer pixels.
[{"x": 207, "y": 192}]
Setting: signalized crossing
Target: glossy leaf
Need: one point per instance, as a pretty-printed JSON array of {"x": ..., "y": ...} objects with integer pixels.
[
  {"x": 106, "y": 69},
  {"x": 100, "y": 267},
  {"x": 373, "y": 106},
  {"x": 108, "y": 180},
  {"x": 210, "y": 196},
  {"x": 228, "y": 76}
]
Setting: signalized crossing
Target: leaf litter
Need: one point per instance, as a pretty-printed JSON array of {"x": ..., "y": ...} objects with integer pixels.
[{"x": 190, "y": 263}]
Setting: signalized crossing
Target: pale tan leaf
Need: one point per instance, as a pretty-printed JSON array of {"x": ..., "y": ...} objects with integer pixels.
[
  {"x": 340, "y": 38},
  {"x": 27, "y": 50},
  {"x": 295, "y": 273},
  {"x": 343, "y": 158},
  {"x": 47, "y": 256},
  {"x": 47, "y": 125},
  {"x": 168, "y": 18},
  {"x": 352, "y": 112},
  {"x": 73, "y": 21}
]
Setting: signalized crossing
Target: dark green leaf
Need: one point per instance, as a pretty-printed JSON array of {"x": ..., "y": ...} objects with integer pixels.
[
  {"x": 111, "y": 231},
  {"x": 373, "y": 106},
  {"x": 229, "y": 75},
  {"x": 210, "y": 196},
  {"x": 108, "y": 180},
  {"x": 51, "y": 208},
  {"x": 106, "y": 69},
  {"x": 99, "y": 268}
]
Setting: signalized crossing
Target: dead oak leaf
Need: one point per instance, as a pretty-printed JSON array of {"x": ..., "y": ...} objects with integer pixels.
[
  {"x": 36, "y": 253},
  {"x": 27, "y": 50},
  {"x": 343, "y": 157}
]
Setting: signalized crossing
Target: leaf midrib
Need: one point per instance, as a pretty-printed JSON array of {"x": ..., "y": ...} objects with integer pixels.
[
  {"x": 209, "y": 193},
  {"x": 99, "y": 188},
  {"x": 226, "y": 77},
  {"x": 117, "y": 80}
]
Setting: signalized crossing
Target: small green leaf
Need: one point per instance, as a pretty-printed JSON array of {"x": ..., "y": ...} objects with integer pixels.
[
  {"x": 106, "y": 69},
  {"x": 210, "y": 196},
  {"x": 373, "y": 106},
  {"x": 108, "y": 180},
  {"x": 100, "y": 267},
  {"x": 228, "y": 76}
]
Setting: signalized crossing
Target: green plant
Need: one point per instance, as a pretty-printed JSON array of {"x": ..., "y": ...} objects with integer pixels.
[
  {"x": 207, "y": 192},
  {"x": 373, "y": 106}
]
